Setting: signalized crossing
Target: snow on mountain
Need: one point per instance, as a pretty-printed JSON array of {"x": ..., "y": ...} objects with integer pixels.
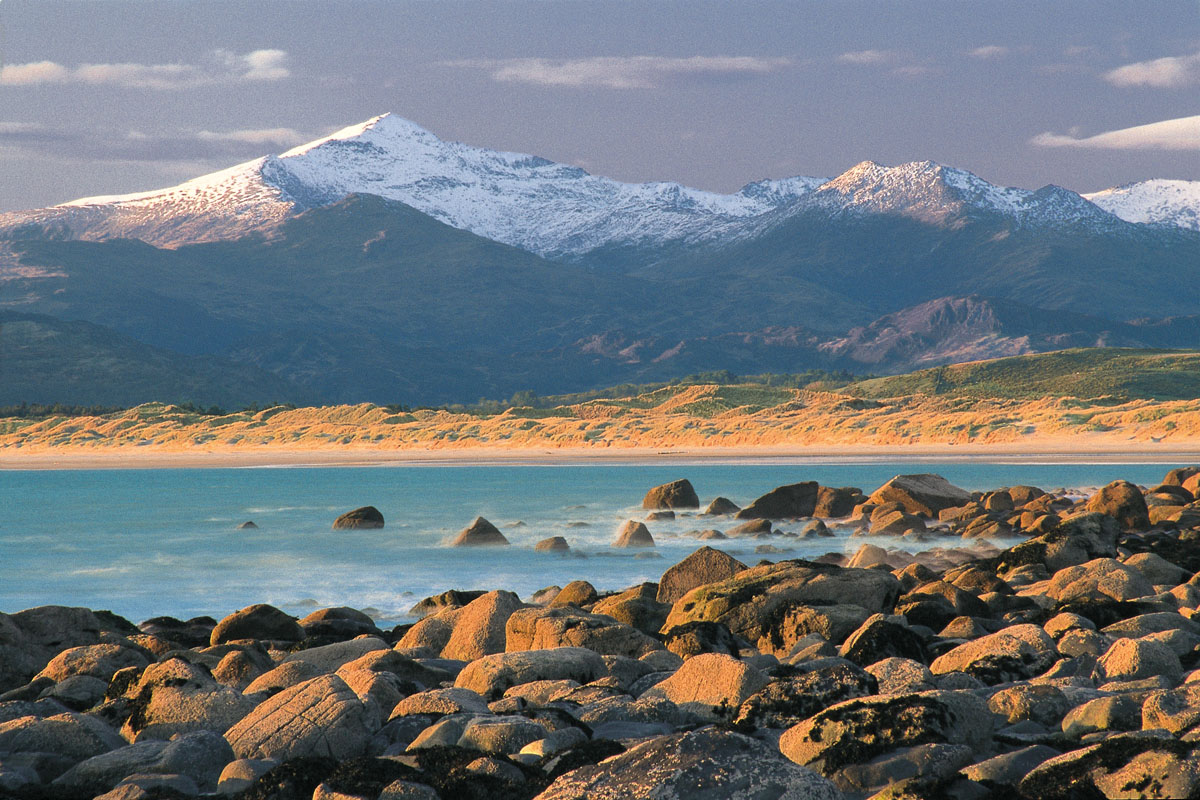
[
  {"x": 1155, "y": 202},
  {"x": 523, "y": 200},
  {"x": 557, "y": 210},
  {"x": 938, "y": 194}
]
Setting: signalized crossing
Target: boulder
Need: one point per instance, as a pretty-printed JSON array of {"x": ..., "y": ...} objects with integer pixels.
[
  {"x": 72, "y": 736},
  {"x": 500, "y": 735},
  {"x": 174, "y": 697},
  {"x": 248, "y": 525},
  {"x": 1125, "y": 765},
  {"x": 1180, "y": 475},
  {"x": 784, "y": 502},
  {"x": 721, "y": 507},
  {"x": 480, "y": 533},
  {"x": 901, "y": 676},
  {"x": 707, "y": 764},
  {"x": 199, "y": 755},
  {"x": 1098, "y": 580},
  {"x": 553, "y": 544},
  {"x": 320, "y": 717},
  {"x": 1008, "y": 769},
  {"x": 634, "y": 534},
  {"x": 753, "y": 602},
  {"x": 1074, "y": 541},
  {"x": 879, "y": 638},
  {"x": 94, "y": 660},
  {"x": 1124, "y": 502},
  {"x": 711, "y": 686},
  {"x": 30, "y": 638},
  {"x": 856, "y": 731},
  {"x": 706, "y": 565},
  {"x": 338, "y": 623},
  {"x": 492, "y": 675},
  {"x": 1045, "y": 705},
  {"x": 433, "y": 632},
  {"x": 547, "y": 628},
  {"x": 480, "y": 625},
  {"x": 789, "y": 701},
  {"x": 920, "y": 494},
  {"x": 1018, "y": 652},
  {"x": 636, "y": 609},
  {"x": 1102, "y": 715},
  {"x": 837, "y": 503},
  {"x": 257, "y": 622},
  {"x": 694, "y": 638},
  {"x": 1135, "y": 659},
  {"x": 454, "y": 598},
  {"x": 754, "y": 527},
  {"x": 676, "y": 494},
  {"x": 1156, "y": 569},
  {"x": 908, "y": 772},
  {"x": 367, "y": 517},
  {"x": 441, "y": 702},
  {"x": 330, "y": 657},
  {"x": 575, "y": 593}
]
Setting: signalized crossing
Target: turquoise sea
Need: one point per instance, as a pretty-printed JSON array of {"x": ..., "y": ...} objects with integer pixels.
[{"x": 149, "y": 542}]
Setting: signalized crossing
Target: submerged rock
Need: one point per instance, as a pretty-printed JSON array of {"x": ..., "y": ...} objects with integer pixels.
[
  {"x": 367, "y": 517},
  {"x": 634, "y": 534},
  {"x": 784, "y": 502}
]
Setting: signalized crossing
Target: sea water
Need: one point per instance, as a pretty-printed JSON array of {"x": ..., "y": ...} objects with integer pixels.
[{"x": 144, "y": 543}]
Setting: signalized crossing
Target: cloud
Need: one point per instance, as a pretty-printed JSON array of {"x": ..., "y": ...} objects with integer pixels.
[
  {"x": 618, "y": 72},
  {"x": 868, "y": 57},
  {"x": 1174, "y": 72},
  {"x": 223, "y": 67},
  {"x": 988, "y": 51},
  {"x": 128, "y": 146},
  {"x": 1170, "y": 134}
]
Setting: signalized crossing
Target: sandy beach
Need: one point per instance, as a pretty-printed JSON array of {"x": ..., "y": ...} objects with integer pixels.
[{"x": 1036, "y": 451}]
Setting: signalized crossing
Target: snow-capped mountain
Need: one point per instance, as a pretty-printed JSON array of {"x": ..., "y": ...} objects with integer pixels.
[
  {"x": 938, "y": 194},
  {"x": 561, "y": 211},
  {"x": 538, "y": 205},
  {"x": 1155, "y": 202}
]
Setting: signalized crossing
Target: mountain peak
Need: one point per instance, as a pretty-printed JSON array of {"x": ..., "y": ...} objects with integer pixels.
[{"x": 1156, "y": 202}]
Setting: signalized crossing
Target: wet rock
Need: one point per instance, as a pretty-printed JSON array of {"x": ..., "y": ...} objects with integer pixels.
[
  {"x": 707, "y": 764},
  {"x": 753, "y": 528},
  {"x": 711, "y": 686},
  {"x": 480, "y": 533},
  {"x": 676, "y": 494},
  {"x": 634, "y": 534},
  {"x": 248, "y": 525},
  {"x": 706, "y": 565},
  {"x": 367, "y": 517},
  {"x": 924, "y": 494},
  {"x": 259, "y": 621},
  {"x": 837, "y": 503},
  {"x": 546, "y": 628},
  {"x": 784, "y": 502},
  {"x": 554, "y": 544},
  {"x": 320, "y": 717},
  {"x": 859, "y": 730},
  {"x": 752, "y": 602},
  {"x": 491, "y": 675},
  {"x": 659, "y": 516}
]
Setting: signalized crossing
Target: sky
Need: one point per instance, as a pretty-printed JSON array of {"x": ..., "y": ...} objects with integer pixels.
[{"x": 112, "y": 96}]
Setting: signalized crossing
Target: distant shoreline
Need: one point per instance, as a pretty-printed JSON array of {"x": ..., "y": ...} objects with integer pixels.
[{"x": 130, "y": 457}]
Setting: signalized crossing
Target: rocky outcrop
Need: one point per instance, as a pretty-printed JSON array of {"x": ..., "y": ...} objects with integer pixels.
[
  {"x": 676, "y": 494},
  {"x": 259, "y": 621},
  {"x": 547, "y": 628},
  {"x": 367, "y": 517},
  {"x": 491, "y": 676},
  {"x": 1124, "y": 502}
]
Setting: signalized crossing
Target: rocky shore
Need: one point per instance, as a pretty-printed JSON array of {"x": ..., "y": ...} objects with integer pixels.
[{"x": 1067, "y": 666}]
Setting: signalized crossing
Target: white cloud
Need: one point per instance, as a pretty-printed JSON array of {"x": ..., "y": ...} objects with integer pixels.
[
  {"x": 618, "y": 72},
  {"x": 1170, "y": 134},
  {"x": 134, "y": 146},
  {"x": 868, "y": 57},
  {"x": 1174, "y": 72},
  {"x": 988, "y": 51},
  {"x": 268, "y": 136},
  {"x": 223, "y": 68}
]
